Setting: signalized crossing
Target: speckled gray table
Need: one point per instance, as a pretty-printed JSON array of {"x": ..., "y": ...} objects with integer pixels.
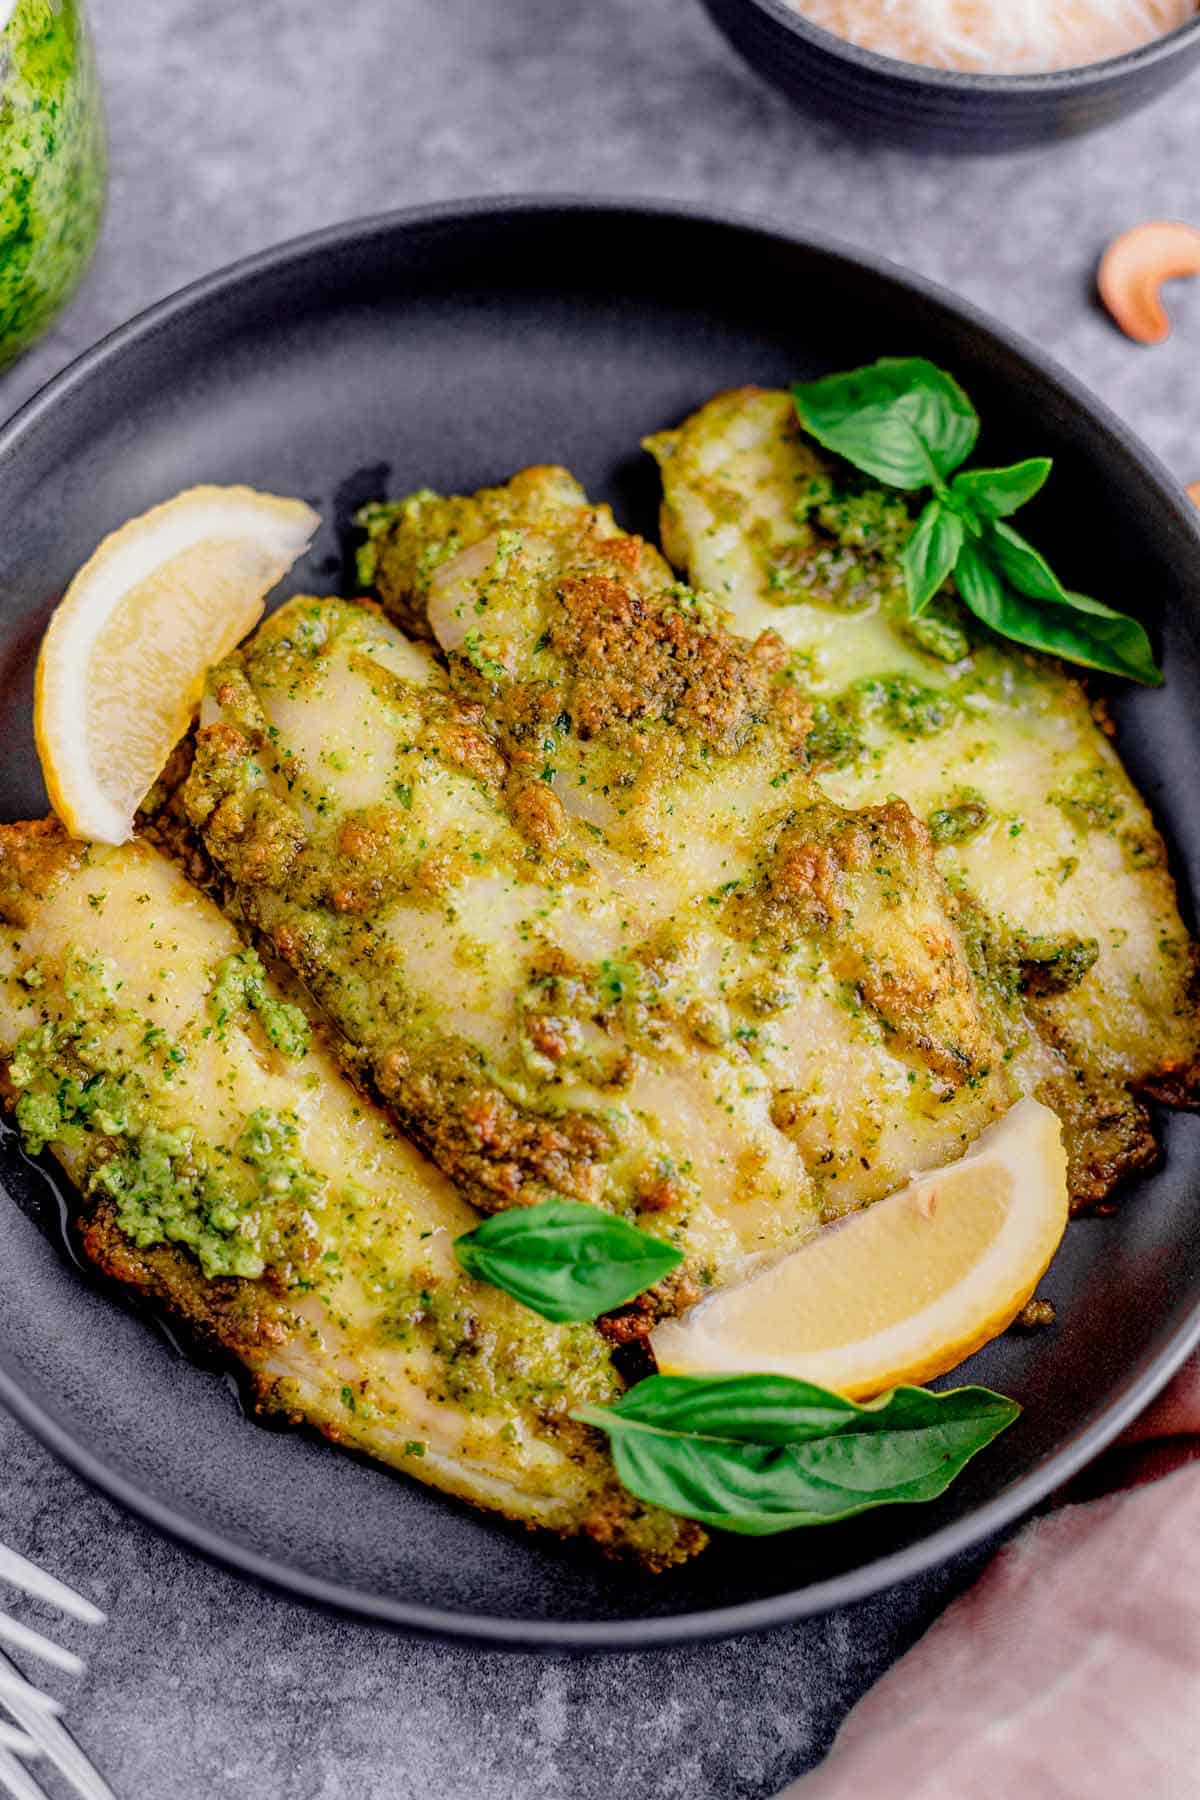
[{"x": 234, "y": 125}]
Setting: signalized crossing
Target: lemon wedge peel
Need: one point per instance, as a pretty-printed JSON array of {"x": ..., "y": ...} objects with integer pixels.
[
  {"x": 123, "y": 661},
  {"x": 904, "y": 1291}
]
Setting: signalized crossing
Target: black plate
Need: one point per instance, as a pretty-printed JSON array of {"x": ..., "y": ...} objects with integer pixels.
[{"x": 448, "y": 348}]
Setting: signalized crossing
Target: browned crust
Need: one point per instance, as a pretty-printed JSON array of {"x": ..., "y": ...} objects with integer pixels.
[
  {"x": 1108, "y": 1134},
  {"x": 632, "y": 662},
  {"x": 828, "y": 875},
  {"x": 238, "y": 1319},
  {"x": 500, "y": 1153},
  {"x": 34, "y": 855},
  {"x": 1176, "y": 1080}
]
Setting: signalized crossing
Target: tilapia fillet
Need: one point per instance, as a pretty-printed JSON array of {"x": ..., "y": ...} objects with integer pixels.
[
  {"x": 990, "y": 756},
  {"x": 575, "y": 906},
  {"x": 1039, "y": 829},
  {"x": 228, "y": 1169}
]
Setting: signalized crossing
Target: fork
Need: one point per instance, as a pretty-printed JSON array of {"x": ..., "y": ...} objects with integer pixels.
[{"x": 36, "y": 1731}]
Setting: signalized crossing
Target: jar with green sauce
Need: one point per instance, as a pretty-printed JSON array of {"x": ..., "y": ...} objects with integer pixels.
[{"x": 52, "y": 163}]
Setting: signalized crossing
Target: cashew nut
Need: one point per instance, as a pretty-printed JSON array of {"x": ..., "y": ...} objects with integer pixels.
[{"x": 1134, "y": 268}]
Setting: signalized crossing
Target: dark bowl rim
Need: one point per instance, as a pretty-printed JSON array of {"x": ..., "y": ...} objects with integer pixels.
[
  {"x": 1131, "y": 1396},
  {"x": 926, "y": 78}
]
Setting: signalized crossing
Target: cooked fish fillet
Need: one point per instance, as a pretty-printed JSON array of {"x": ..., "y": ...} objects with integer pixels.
[
  {"x": 571, "y": 899},
  {"x": 1039, "y": 829},
  {"x": 227, "y": 1168}
]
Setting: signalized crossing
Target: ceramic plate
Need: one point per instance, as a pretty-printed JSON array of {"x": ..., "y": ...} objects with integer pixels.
[{"x": 448, "y": 348}]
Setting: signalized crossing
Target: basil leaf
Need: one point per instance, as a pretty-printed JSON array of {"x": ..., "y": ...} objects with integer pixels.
[
  {"x": 757, "y": 1454},
  {"x": 564, "y": 1259},
  {"x": 1051, "y": 619},
  {"x": 979, "y": 584},
  {"x": 909, "y": 424},
  {"x": 993, "y": 493},
  {"x": 1023, "y": 567},
  {"x": 930, "y": 554},
  {"x": 1083, "y": 631},
  {"x": 902, "y": 419},
  {"x": 761, "y": 1409}
]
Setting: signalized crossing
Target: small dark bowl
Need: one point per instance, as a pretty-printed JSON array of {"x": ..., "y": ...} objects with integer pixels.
[{"x": 942, "y": 109}]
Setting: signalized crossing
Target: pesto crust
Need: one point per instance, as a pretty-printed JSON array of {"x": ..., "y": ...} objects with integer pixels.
[
  {"x": 1068, "y": 906},
  {"x": 227, "y": 1175},
  {"x": 866, "y": 885}
]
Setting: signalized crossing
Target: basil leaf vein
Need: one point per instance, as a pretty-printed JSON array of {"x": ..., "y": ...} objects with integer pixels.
[
  {"x": 565, "y": 1259},
  {"x": 757, "y": 1454}
]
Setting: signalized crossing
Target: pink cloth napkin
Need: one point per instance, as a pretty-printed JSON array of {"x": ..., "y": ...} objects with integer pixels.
[{"x": 1071, "y": 1670}]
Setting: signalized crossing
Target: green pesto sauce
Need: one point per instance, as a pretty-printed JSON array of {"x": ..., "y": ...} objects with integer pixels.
[
  {"x": 95, "y": 1081},
  {"x": 904, "y": 706},
  {"x": 858, "y": 515},
  {"x": 843, "y": 552},
  {"x": 486, "y": 1365},
  {"x": 52, "y": 165},
  {"x": 240, "y": 991},
  {"x": 1008, "y": 964},
  {"x": 834, "y": 739},
  {"x": 1054, "y": 963},
  {"x": 1090, "y": 799},
  {"x": 964, "y": 814},
  {"x": 939, "y": 631},
  {"x": 224, "y": 1204}
]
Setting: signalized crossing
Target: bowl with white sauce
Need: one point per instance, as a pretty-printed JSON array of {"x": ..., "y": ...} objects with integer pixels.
[{"x": 967, "y": 75}]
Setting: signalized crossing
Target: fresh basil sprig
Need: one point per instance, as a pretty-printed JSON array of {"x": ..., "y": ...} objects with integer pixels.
[
  {"x": 757, "y": 1454},
  {"x": 909, "y": 424},
  {"x": 565, "y": 1259}
]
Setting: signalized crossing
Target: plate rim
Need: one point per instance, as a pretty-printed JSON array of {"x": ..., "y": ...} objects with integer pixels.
[{"x": 497, "y": 1631}]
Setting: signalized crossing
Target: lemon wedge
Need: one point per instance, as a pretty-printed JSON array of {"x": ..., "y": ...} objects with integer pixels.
[
  {"x": 123, "y": 662},
  {"x": 903, "y": 1291}
]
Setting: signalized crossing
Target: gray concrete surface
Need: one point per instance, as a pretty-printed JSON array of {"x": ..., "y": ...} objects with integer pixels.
[{"x": 235, "y": 125}]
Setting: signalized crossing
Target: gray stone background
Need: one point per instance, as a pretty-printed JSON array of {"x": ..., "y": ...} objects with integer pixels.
[{"x": 235, "y": 123}]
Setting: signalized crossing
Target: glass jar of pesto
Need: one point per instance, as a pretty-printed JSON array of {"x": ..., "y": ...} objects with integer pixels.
[{"x": 52, "y": 164}]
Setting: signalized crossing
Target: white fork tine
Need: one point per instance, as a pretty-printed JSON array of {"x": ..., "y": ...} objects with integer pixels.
[
  {"x": 37, "y": 1731},
  {"x": 35, "y": 1581},
  {"x": 16, "y": 1684},
  {"x": 56, "y": 1746},
  {"x": 22, "y": 1637},
  {"x": 17, "y": 1742},
  {"x": 15, "y": 1781}
]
